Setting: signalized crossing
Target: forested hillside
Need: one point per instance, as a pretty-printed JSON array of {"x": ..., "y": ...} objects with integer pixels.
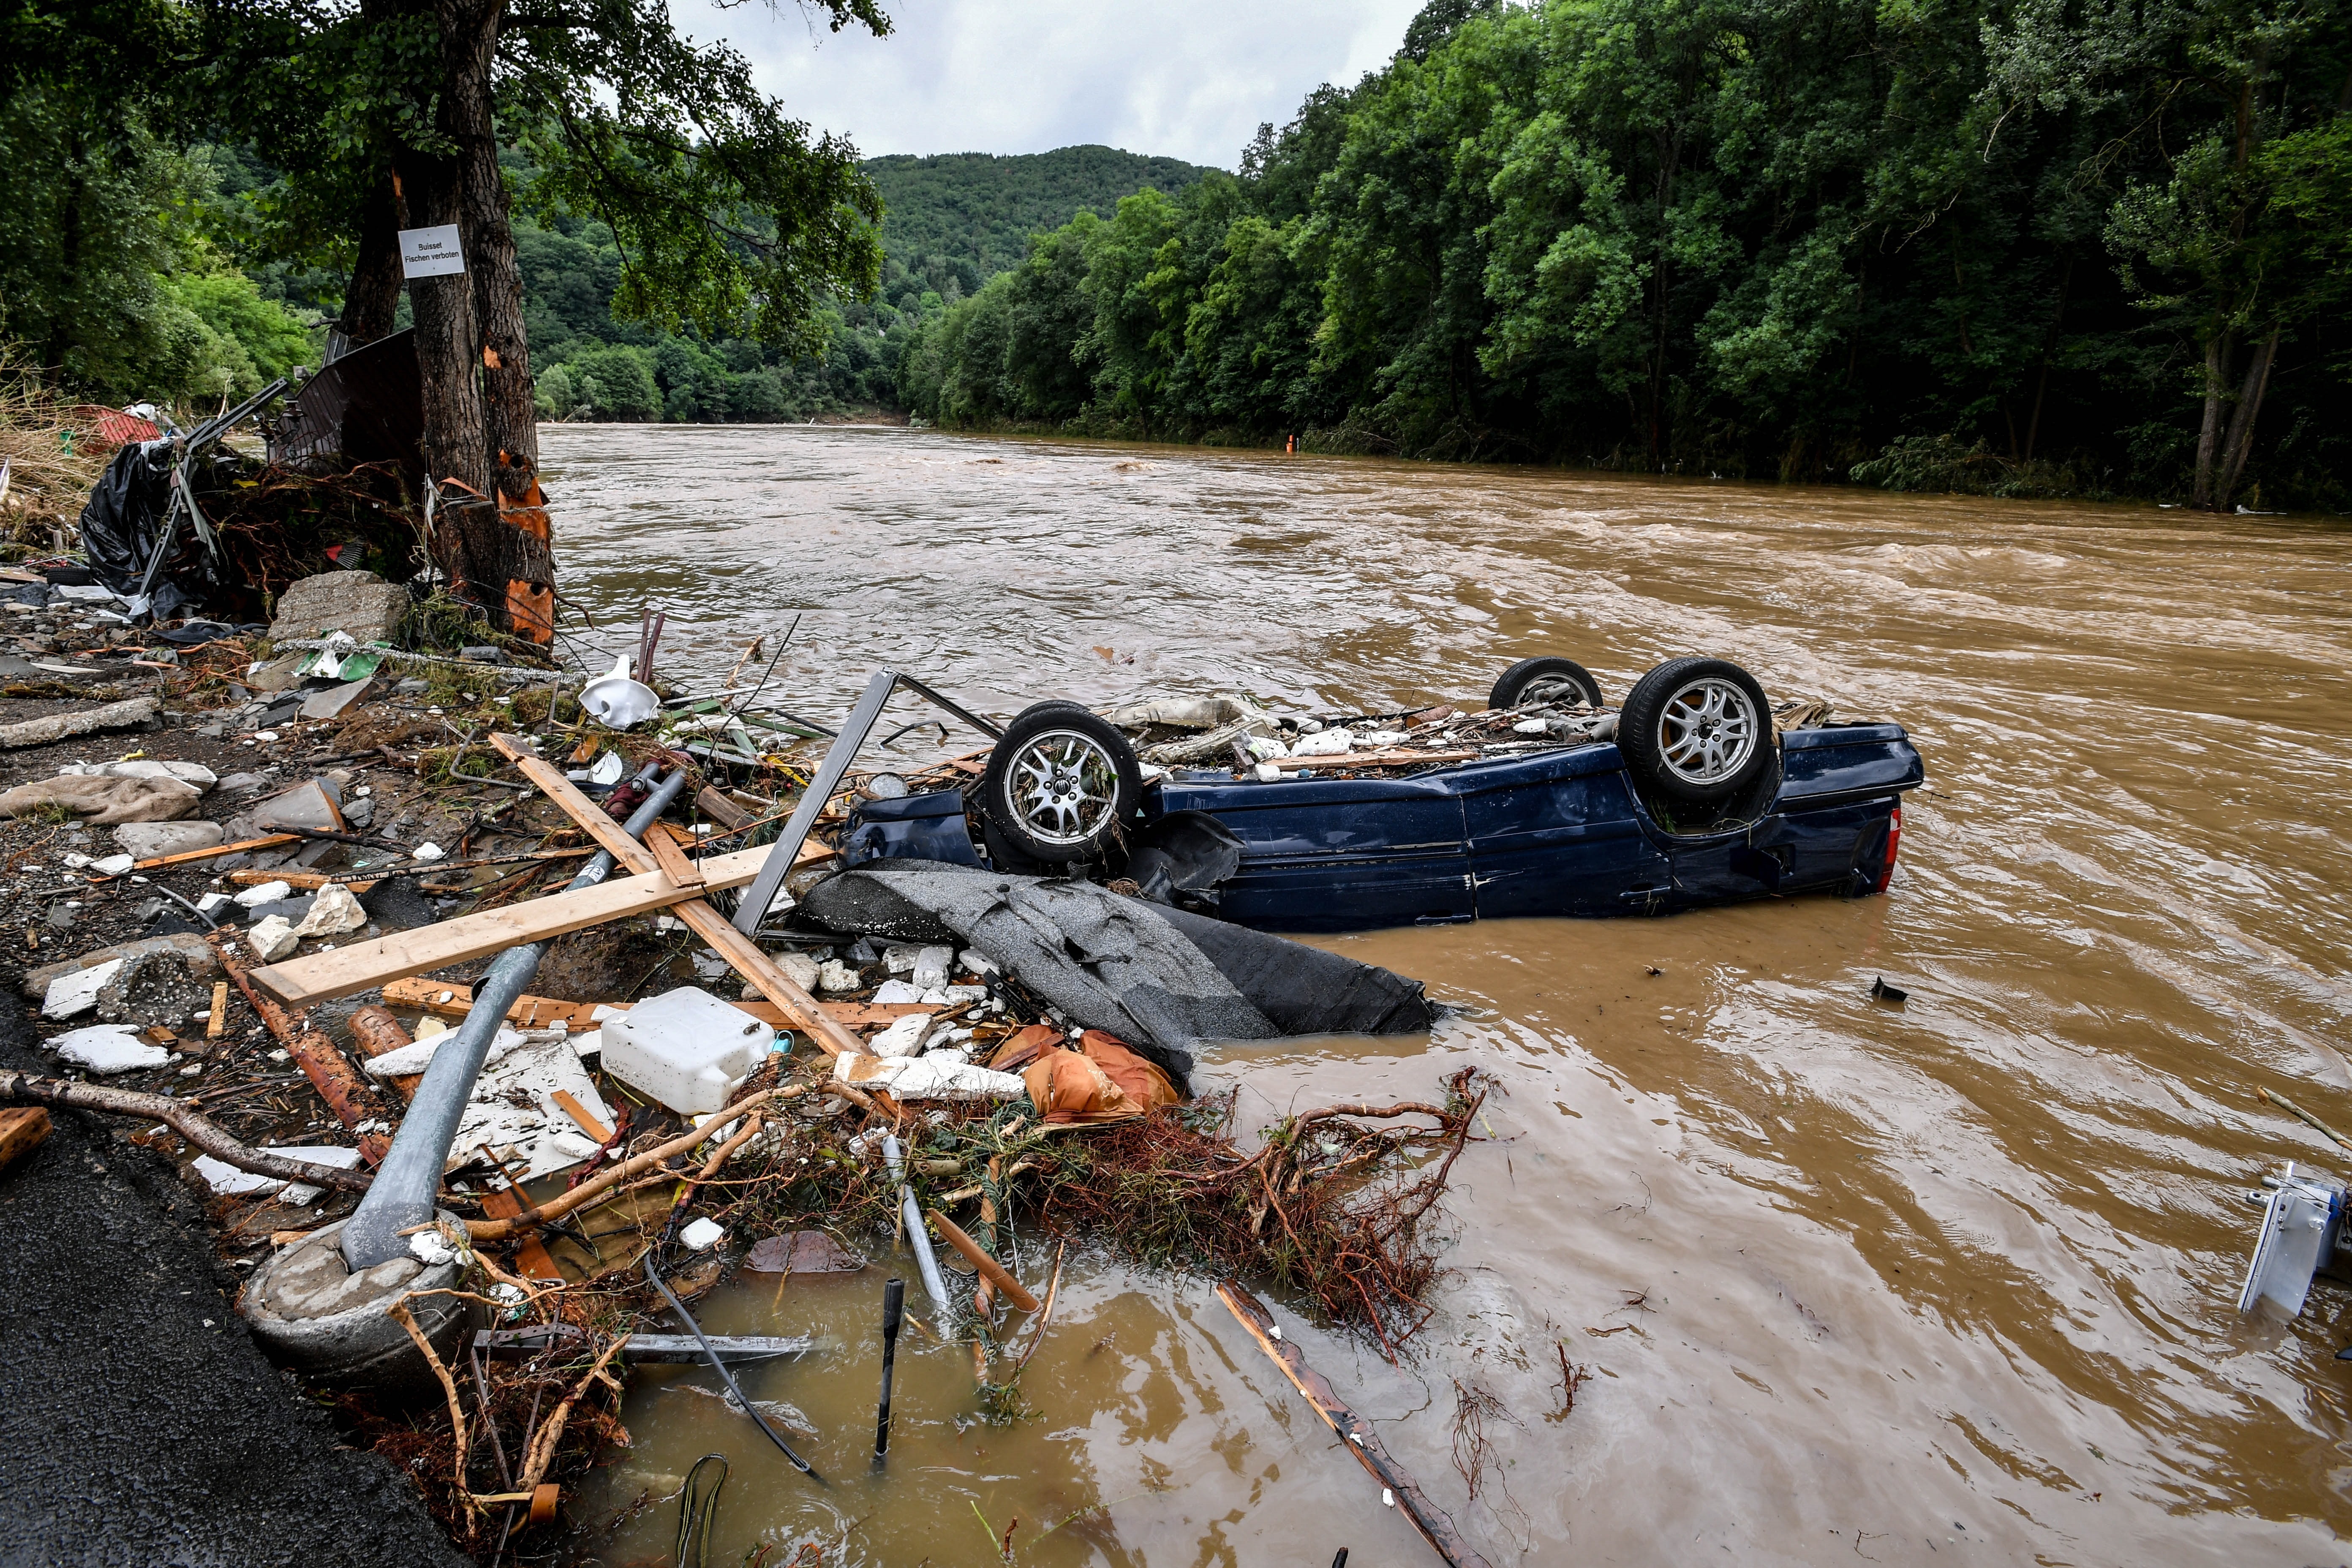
[
  {"x": 950, "y": 223},
  {"x": 981, "y": 209},
  {"x": 1990, "y": 244}
]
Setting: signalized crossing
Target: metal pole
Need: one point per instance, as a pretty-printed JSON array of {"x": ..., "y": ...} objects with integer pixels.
[
  {"x": 787, "y": 846},
  {"x": 916, "y": 1237},
  {"x": 894, "y": 1304},
  {"x": 402, "y": 1198}
]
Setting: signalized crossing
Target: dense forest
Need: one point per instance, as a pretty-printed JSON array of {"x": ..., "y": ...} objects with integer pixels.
[
  {"x": 2009, "y": 245},
  {"x": 2000, "y": 245},
  {"x": 950, "y": 223}
]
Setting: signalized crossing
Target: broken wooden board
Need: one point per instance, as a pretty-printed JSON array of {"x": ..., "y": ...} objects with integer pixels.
[
  {"x": 449, "y": 1000},
  {"x": 531, "y": 1260},
  {"x": 742, "y": 954},
  {"x": 1355, "y": 1434},
  {"x": 318, "y": 977},
  {"x": 22, "y": 1129}
]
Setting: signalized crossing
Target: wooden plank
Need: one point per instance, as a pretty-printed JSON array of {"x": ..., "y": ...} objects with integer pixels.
[
  {"x": 267, "y": 841},
  {"x": 219, "y": 1019},
  {"x": 1355, "y": 1434},
  {"x": 448, "y": 999},
  {"x": 318, "y": 977},
  {"x": 671, "y": 857},
  {"x": 22, "y": 1127},
  {"x": 741, "y": 954},
  {"x": 719, "y": 809},
  {"x": 531, "y": 1260},
  {"x": 570, "y": 1105}
]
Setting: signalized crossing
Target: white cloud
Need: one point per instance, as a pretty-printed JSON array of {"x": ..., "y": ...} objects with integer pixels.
[{"x": 1189, "y": 81}]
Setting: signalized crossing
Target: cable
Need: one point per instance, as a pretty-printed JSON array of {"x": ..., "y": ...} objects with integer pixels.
[{"x": 695, "y": 1512}]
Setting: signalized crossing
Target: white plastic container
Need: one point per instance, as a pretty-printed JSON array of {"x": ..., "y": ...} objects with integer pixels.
[{"x": 685, "y": 1049}]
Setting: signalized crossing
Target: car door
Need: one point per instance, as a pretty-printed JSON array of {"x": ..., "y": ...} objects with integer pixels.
[{"x": 1556, "y": 833}]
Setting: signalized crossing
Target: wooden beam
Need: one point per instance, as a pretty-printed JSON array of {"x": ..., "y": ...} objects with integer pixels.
[
  {"x": 741, "y": 954},
  {"x": 21, "y": 1131},
  {"x": 671, "y": 857},
  {"x": 448, "y": 999},
  {"x": 319, "y": 977},
  {"x": 267, "y": 841}
]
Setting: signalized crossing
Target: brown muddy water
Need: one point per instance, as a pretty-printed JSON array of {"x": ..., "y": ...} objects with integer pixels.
[{"x": 1952, "y": 1282}]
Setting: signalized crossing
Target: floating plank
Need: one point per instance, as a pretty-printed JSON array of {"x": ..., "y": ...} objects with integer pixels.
[{"x": 1355, "y": 1433}]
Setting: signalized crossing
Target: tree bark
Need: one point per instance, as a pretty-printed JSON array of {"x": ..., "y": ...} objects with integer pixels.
[
  {"x": 2209, "y": 437},
  {"x": 448, "y": 362},
  {"x": 371, "y": 302},
  {"x": 2241, "y": 442},
  {"x": 511, "y": 560}
]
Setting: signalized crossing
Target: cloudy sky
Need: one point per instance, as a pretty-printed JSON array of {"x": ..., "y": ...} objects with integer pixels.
[{"x": 1189, "y": 80}]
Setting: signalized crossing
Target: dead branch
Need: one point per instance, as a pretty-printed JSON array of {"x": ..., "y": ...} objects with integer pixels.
[{"x": 193, "y": 1125}]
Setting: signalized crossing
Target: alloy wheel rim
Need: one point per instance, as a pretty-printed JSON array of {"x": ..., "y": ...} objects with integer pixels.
[
  {"x": 1063, "y": 786},
  {"x": 1707, "y": 731}
]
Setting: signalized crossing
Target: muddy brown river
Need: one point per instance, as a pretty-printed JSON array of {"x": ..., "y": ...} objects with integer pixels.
[{"x": 1952, "y": 1281}]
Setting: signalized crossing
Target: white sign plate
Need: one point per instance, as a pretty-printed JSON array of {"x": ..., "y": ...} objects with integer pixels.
[{"x": 431, "y": 252}]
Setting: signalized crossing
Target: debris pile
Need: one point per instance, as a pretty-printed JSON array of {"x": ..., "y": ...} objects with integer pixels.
[{"x": 289, "y": 909}]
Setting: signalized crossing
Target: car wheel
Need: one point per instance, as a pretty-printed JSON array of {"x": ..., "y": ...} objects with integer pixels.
[
  {"x": 1545, "y": 680},
  {"x": 1696, "y": 730},
  {"x": 1060, "y": 782}
]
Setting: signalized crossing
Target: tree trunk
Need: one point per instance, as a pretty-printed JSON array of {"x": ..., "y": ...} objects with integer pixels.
[
  {"x": 511, "y": 565},
  {"x": 2241, "y": 443},
  {"x": 2209, "y": 437},
  {"x": 448, "y": 361},
  {"x": 372, "y": 301}
]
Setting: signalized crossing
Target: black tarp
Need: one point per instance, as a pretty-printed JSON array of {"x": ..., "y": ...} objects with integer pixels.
[
  {"x": 118, "y": 522},
  {"x": 1161, "y": 979}
]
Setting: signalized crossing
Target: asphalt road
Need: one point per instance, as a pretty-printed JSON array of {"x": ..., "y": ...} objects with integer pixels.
[{"x": 139, "y": 1425}]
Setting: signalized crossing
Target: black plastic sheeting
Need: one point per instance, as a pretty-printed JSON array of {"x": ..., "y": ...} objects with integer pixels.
[
  {"x": 119, "y": 522},
  {"x": 1162, "y": 980}
]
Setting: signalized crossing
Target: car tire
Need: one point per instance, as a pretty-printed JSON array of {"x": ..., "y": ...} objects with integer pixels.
[
  {"x": 1698, "y": 731},
  {"x": 1545, "y": 679},
  {"x": 1061, "y": 783}
]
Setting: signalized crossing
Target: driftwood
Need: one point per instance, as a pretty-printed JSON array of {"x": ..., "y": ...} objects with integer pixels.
[
  {"x": 1355, "y": 1433},
  {"x": 192, "y": 1125},
  {"x": 59, "y": 726}
]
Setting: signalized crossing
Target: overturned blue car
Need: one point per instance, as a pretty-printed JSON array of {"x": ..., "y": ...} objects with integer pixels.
[{"x": 1694, "y": 791}]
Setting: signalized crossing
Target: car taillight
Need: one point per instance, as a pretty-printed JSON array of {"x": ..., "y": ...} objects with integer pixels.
[{"x": 1893, "y": 843}]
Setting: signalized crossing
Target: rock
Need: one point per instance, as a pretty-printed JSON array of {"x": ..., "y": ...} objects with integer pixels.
[
  {"x": 201, "y": 961},
  {"x": 931, "y": 970},
  {"x": 310, "y": 805},
  {"x": 411, "y": 687},
  {"x": 331, "y": 1280},
  {"x": 113, "y": 865},
  {"x": 244, "y": 784},
  {"x": 333, "y": 912},
  {"x": 897, "y": 992},
  {"x": 106, "y": 800},
  {"x": 331, "y": 703},
  {"x": 109, "y": 1048},
  {"x": 280, "y": 673},
  {"x": 974, "y": 962},
  {"x": 154, "y": 988},
  {"x": 147, "y": 840},
  {"x": 903, "y": 1038},
  {"x": 359, "y": 603},
  {"x": 360, "y": 813},
  {"x": 57, "y": 726},
  {"x": 267, "y": 893},
  {"x": 196, "y": 774},
  {"x": 703, "y": 1233},
  {"x": 71, "y": 995},
  {"x": 835, "y": 976},
  {"x": 272, "y": 940},
  {"x": 798, "y": 967},
  {"x": 483, "y": 655}
]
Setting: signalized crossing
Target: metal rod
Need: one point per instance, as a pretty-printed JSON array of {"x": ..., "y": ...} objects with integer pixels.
[
  {"x": 992, "y": 731},
  {"x": 405, "y": 1184},
  {"x": 917, "y": 1237},
  {"x": 787, "y": 846},
  {"x": 894, "y": 1305},
  {"x": 720, "y": 1365}
]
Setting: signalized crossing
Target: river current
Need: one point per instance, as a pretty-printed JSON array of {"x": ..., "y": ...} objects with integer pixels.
[{"x": 1951, "y": 1281}]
